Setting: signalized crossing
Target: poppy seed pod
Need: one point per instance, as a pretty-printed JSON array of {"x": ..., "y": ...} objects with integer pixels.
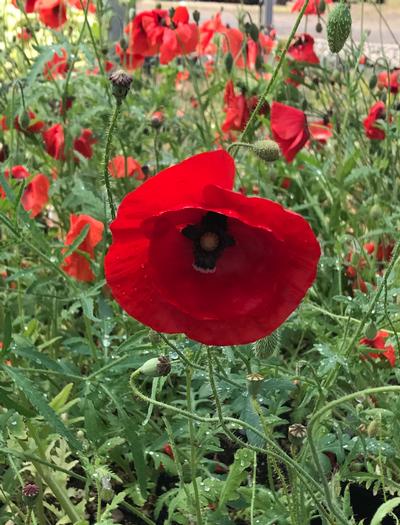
[
  {"x": 297, "y": 432},
  {"x": 121, "y": 83},
  {"x": 254, "y": 383},
  {"x": 30, "y": 493},
  {"x": 156, "y": 367},
  {"x": 267, "y": 150},
  {"x": 338, "y": 27}
]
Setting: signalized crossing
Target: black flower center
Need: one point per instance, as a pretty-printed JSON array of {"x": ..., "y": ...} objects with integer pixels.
[{"x": 210, "y": 238}]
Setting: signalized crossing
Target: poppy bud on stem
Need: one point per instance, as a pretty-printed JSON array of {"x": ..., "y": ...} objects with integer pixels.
[{"x": 121, "y": 83}]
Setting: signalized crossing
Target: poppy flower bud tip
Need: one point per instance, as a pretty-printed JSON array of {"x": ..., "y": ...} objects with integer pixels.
[
  {"x": 121, "y": 83},
  {"x": 156, "y": 367}
]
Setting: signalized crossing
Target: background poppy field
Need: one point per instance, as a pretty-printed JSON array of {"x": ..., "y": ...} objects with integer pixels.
[{"x": 105, "y": 420}]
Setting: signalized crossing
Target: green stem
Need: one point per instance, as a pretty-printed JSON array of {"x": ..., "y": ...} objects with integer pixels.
[
  {"x": 58, "y": 491},
  {"x": 193, "y": 460},
  {"x": 253, "y": 488},
  {"x": 250, "y": 123},
  {"x": 107, "y": 152}
]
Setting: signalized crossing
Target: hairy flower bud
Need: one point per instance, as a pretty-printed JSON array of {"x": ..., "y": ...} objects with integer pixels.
[
  {"x": 267, "y": 150},
  {"x": 156, "y": 367},
  {"x": 338, "y": 27},
  {"x": 196, "y": 16},
  {"x": 228, "y": 62},
  {"x": 121, "y": 83}
]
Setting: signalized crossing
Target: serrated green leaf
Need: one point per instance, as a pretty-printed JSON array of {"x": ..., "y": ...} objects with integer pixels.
[{"x": 385, "y": 509}]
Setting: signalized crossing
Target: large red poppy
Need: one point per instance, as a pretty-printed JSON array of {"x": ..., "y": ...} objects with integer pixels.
[
  {"x": 54, "y": 141},
  {"x": 76, "y": 264},
  {"x": 302, "y": 49},
  {"x": 84, "y": 143},
  {"x": 190, "y": 255},
  {"x": 313, "y": 7},
  {"x": 36, "y": 195},
  {"x": 120, "y": 167},
  {"x": 57, "y": 67},
  {"x": 372, "y": 130},
  {"x": 289, "y": 129},
  {"x": 52, "y": 13}
]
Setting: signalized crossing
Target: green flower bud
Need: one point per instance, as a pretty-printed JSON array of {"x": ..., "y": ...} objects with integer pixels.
[
  {"x": 318, "y": 27},
  {"x": 375, "y": 212},
  {"x": 322, "y": 7},
  {"x": 267, "y": 150},
  {"x": 252, "y": 30},
  {"x": 370, "y": 330},
  {"x": 373, "y": 81},
  {"x": 24, "y": 119},
  {"x": 338, "y": 27},
  {"x": 228, "y": 62},
  {"x": 121, "y": 83},
  {"x": 196, "y": 16},
  {"x": 373, "y": 428},
  {"x": 156, "y": 367}
]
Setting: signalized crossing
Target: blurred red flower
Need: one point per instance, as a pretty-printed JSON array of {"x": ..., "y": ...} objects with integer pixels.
[
  {"x": 17, "y": 172},
  {"x": 82, "y": 4},
  {"x": 313, "y": 7},
  {"x": 117, "y": 169},
  {"x": 76, "y": 264},
  {"x": 56, "y": 67},
  {"x": 320, "y": 131},
  {"x": 83, "y": 144},
  {"x": 302, "y": 49},
  {"x": 236, "y": 108},
  {"x": 379, "y": 343},
  {"x": 36, "y": 194},
  {"x": 29, "y": 5},
  {"x": 52, "y": 13},
  {"x": 190, "y": 255},
  {"x": 377, "y": 112},
  {"x": 289, "y": 129},
  {"x": 54, "y": 141},
  {"x": 389, "y": 80},
  {"x": 35, "y": 125}
]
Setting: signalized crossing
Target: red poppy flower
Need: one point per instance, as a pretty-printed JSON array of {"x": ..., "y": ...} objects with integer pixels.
[
  {"x": 52, "y": 13},
  {"x": 389, "y": 80},
  {"x": 302, "y": 49},
  {"x": 181, "y": 77},
  {"x": 180, "y": 38},
  {"x": 207, "y": 30},
  {"x": 82, "y": 4},
  {"x": 36, "y": 195},
  {"x": 168, "y": 450},
  {"x": 118, "y": 169},
  {"x": 56, "y": 67},
  {"x": 378, "y": 111},
  {"x": 76, "y": 264},
  {"x": 313, "y": 7},
  {"x": 233, "y": 43},
  {"x": 289, "y": 129},
  {"x": 236, "y": 109},
  {"x": 3, "y": 123},
  {"x": 146, "y": 32},
  {"x": 34, "y": 126},
  {"x": 190, "y": 255},
  {"x": 128, "y": 58},
  {"x": 29, "y": 6},
  {"x": 320, "y": 131},
  {"x": 17, "y": 172},
  {"x": 379, "y": 343},
  {"x": 54, "y": 141},
  {"x": 24, "y": 34},
  {"x": 83, "y": 144}
]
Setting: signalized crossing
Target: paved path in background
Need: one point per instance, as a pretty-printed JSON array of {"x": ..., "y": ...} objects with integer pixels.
[{"x": 383, "y": 24}]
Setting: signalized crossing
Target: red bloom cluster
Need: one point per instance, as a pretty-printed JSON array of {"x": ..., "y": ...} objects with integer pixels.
[
  {"x": 190, "y": 255},
  {"x": 83, "y": 144},
  {"x": 302, "y": 49},
  {"x": 155, "y": 32},
  {"x": 289, "y": 129},
  {"x": 34, "y": 126},
  {"x": 376, "y": 113},
  {"x": 77, "y": 265},
  {"x": 54, "y": 142},
  {"x": 36, "y": 193},
  {"x": 313, "y": 7},
  {"x": 53, "y": 13},
  {"x": 379, "y": 343}
]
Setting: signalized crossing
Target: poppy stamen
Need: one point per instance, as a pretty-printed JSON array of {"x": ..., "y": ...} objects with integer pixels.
[{"x": 210, "y": 238}]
